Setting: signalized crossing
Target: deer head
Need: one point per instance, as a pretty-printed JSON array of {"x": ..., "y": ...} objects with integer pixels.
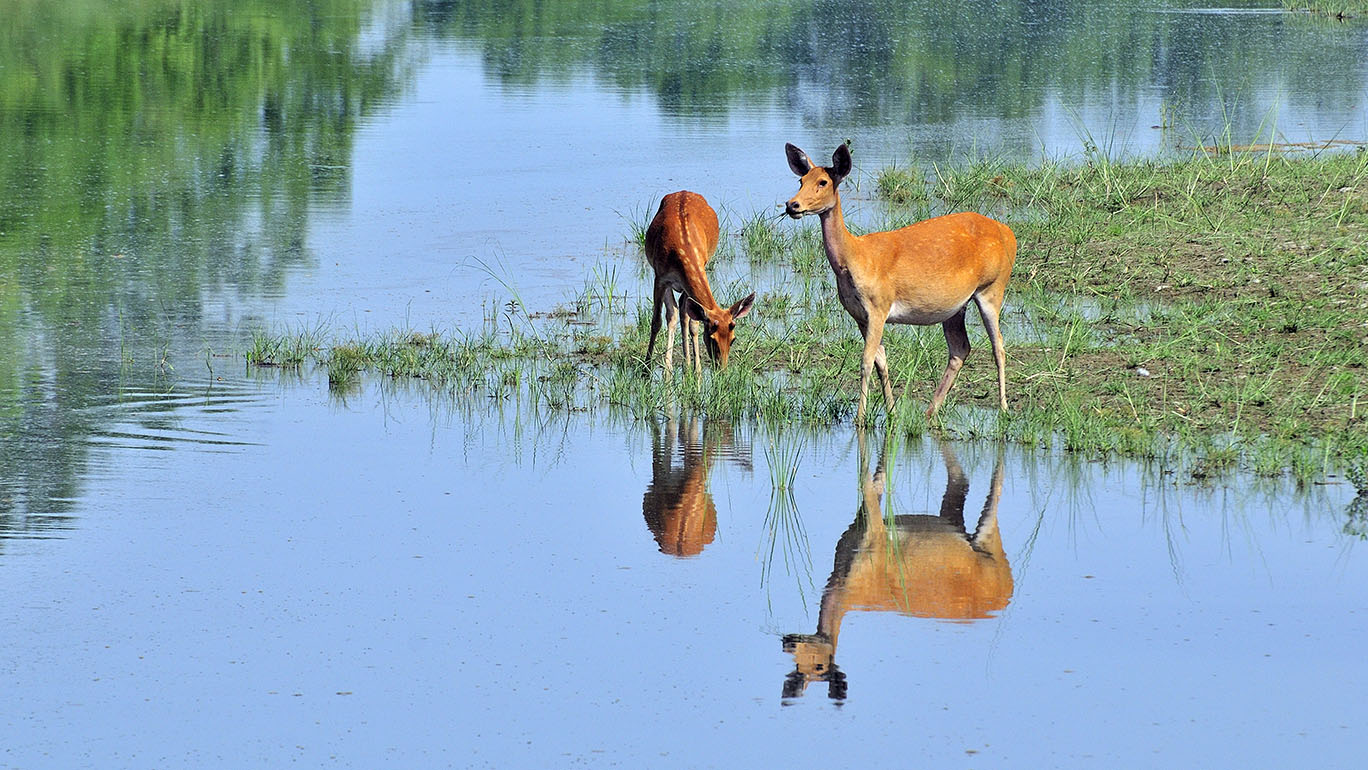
[
  {"x": 719, "y": 325},
  {"x": 817, "y": 184},
  {"x": 813, "y": 655}
]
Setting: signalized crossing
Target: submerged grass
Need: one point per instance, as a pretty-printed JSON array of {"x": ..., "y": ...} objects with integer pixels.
[
  {"x": 1209, "y": 312},
  {"x": 785, "y": 537}
]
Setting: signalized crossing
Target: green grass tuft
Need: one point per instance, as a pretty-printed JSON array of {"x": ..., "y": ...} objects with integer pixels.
[{"x": 901, "y": 186}]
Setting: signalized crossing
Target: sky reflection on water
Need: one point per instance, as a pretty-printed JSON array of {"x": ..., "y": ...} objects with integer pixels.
[{"x": 433, "y": 583}]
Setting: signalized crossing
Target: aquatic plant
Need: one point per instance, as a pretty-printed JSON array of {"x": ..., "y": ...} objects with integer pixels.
[
  {"x": 1357, "y": 473},
  {"x": 287, "y": 350},
  {"x": 1336, "y": 9},
  {"x": 785, "y": 537}
]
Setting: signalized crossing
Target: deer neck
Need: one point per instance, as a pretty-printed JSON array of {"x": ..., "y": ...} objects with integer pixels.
[
  {"x": 697, "y": 283},
  {"x": 831, "y": 613},
  {"x": 839, "y": 243}
]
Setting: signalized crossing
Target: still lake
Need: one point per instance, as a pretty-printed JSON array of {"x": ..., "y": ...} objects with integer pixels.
[{"x": 204, "y": 564}]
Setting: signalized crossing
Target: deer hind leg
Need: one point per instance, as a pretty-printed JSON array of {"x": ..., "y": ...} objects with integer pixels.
[
  {"x": 986, "y": 537},
  {"x": 956, "y": 488},
  {"x": 660, "y": 290},
  {"x": 989, "y": 309},
  {"x": 957, "y": 341}
]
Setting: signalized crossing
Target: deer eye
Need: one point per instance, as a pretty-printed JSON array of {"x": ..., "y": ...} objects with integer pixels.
[
  {"x": 822, "y": 183},
  {"x": 731, "y": 326}
]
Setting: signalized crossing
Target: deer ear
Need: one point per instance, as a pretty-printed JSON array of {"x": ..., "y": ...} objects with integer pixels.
[
  {"x": 743, "y": 307},
  {"x": 694, "y": 310},
  {"x": 797, "y": 160},
  {"x": 840, "y": 163}
]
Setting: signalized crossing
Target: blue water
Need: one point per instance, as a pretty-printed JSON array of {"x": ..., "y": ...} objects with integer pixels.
[
  {"x": 426, "y": 587},
  {"x": 206, "y": 565}
]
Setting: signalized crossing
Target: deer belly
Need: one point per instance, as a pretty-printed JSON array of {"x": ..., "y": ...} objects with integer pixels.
[
  {"x": 676, "y": 283},
  {"x": 906, "y": 313}
]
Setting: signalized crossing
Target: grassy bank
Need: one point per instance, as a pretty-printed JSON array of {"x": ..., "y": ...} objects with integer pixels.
[
  {"x": 1237, "y": 281},
  {"x": 1209, "y": 313}
]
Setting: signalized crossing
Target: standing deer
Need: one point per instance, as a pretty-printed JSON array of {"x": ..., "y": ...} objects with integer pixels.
[
  {"x": 921, "y": 274},
  {"x": 679, "y": 242},
  {"x": 919, "y": 565}
]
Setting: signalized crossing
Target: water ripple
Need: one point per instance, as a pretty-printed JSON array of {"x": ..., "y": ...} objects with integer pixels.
[
  {"x": 200, "y": 417},
  {"x": 63, "y": 441}
]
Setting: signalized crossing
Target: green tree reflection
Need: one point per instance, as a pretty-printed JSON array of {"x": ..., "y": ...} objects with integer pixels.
[
  {"x": 873, "y": 62},
  {"x": 151, "y": 150}
]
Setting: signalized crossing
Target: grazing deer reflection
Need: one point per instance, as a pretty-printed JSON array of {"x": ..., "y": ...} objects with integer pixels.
[
  {"x": 926, "y": 566},
  {"x": 677, "y": 506}
]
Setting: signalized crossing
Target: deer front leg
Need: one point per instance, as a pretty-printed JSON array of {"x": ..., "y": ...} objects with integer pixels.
[
  {"x": 873, "y": 334},
  {"x": 671, "y": 320},
  {"x": 881, "y": 366},
  {"x": 691, "y": 330},
  {"x": 957, "y": 341},
  {"x": 697, "y": 346},
  {"x": 686, "y": 326}
]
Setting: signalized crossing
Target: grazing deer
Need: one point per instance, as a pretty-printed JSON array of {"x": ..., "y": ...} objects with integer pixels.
[
  {"x": 679, "y": 242},
  {"x": 921, "y": 274},
  {"x": 921, "y": 565},
  {"x": 677, "y": 505}
]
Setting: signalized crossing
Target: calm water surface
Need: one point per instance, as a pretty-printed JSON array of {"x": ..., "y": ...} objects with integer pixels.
[{"x": 202, "y": 565}]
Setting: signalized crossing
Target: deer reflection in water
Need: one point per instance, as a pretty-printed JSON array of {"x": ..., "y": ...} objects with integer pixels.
[
  {"x": 677, "y": 506},
  {"x": 926, "y": 566}
]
